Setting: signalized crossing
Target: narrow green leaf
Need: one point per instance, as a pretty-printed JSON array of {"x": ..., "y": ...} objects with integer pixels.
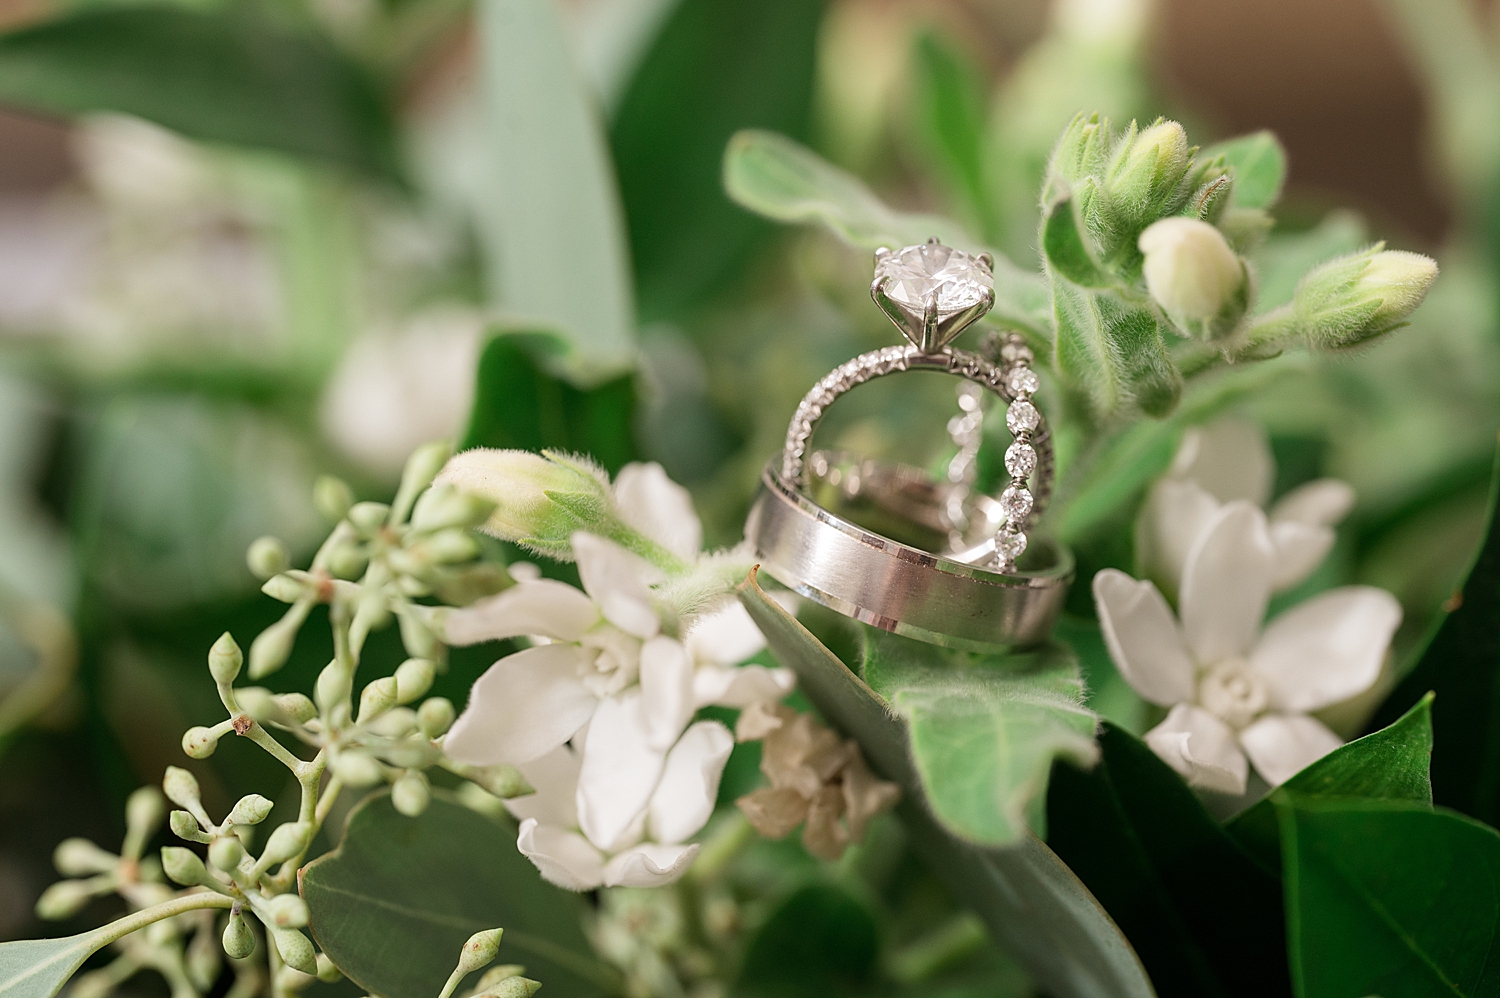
[
  {"x": 775, "y": 177},
  {"x": 949, "y": 99},
  {"x": 984, "y": 731},
  {"x": 1204, "y": 917},
  {"x": 520, "y": 402},
  {"x": 713, "y": 69},
  {"x": 1259, "y": 164},
  {"x": 549, "y": 215},
  {"x": 1461, "y": 663},
  {"x": 820, "y": 941},
  {"x": 1065, "y": 246},
  {"x": 1390, "y": 899},
  {"x": 215, "y": 76},
  {"x": 1390, "y": 764},
  {"x": 1032, "y": 903},
  {"x": 1114, "y": 350},
  {"x": 38, "y": 968},
  {"x": 419, "y": 887}
]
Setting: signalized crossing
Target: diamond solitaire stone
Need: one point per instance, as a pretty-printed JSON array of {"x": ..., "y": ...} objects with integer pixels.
[{"x": 913, "y": 275}]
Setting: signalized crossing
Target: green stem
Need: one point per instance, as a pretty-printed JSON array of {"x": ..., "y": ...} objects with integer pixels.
[
  {"x": 122, "y": 927},
  {"x": 727, "y": 842},
  {"x": 940, "y": 948}
]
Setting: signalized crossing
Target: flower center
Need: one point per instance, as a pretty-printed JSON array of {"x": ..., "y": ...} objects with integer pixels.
[
  {"x": 1233, "y": 692},
  {"x": 618, "y": 663}
]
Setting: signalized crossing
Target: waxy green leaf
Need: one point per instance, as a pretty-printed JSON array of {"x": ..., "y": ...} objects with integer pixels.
[
  {"x": 820, "y": 941},
  {"x": 1259, "y": 163},
  {"x": 38, "y": 968}
]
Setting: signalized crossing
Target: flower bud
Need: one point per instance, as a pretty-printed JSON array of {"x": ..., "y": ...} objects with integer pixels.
[
  {"x": 296, "y": 950},
  {"x": 225, "y": 852},
  {"x": 181, "y": 788},
  {"x": 368, "y": 517},
  {"x": 347, "y": 560},
  {"x": 285, "y": 843},
  {"x": 495, "y": 975},
  {"x": 298, "y": 707},
  {"x": 1078, "y": 156},
  {"x": 267, "y": 556},
  {"x": 526, "y": 489},
  {"x": 144, "y": 811},
  {"x": 414, "y": 678},
  {"x": 411, "y": 794},
  {"x": 203, "y": 961},
  {"x": 251, "y": 809},
  {"x": 417, "y": 636},
  {"x": 357, "y": 768},
  {"x": 449, "y": 547},
  {"x": 183, "y": 866},
  {"x": 479, "y": 951},
  {"x": 186, "y": 827},
  {"x": 333, "y": 688},
  {"x": 502, "y": 780},
  {"x": 287, "y": 911},
  {"x": 199, "y": 742},
  {"x": 376, "y": 698},
  {"x": 1353, "y": 299},
  {"x": 1194, "y": 276},
  {"x": 273, "y": 646},
  {"x": 287, "y": 587},
  {"x": 513, "y": 987},
  {"x": 332, "y": 497},
  {"x": 224, "y": 659},
  {"x": 63, "y": 899},
  {"x": 421, "y": 468},
  {"x": 239, "y": 940},
  {"x": 80, "y": 858},
  {"x": 444, "y": 506},
  {"x": 1144, "y": 180},
  {"x": 435, "y": 716}
]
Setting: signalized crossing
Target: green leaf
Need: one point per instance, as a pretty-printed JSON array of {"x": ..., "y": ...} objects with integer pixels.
[
  {"x": 714, "y": 68},
  {"x": 984, "y": 731},
  {"x": 38, "y": 968},
  {"x": 393, "y": 905},
  {"x": 219, "y": 77},
  {"x": 1461, "y": 663},
  {"x": 1033, "y": 904},
  {"x": 1259, "y": 164},
  {"x": 548, "y": 213},
  {"x": 1391, "y": 764},
  {"x": 775, "y": 177},
  {"x": 1390, "y": 899},
  {"x": 520, "y": 403},
  {"x": 1065, "y": 244},
  {"x": 1114, "y": 350},
  {"x": 949, "y": 99},
  {"x": 820, "y": 941},
  {"x": 1205, "y": 919}
]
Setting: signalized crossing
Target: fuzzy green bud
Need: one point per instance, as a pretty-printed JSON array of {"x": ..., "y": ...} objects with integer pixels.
[
  {"x": 225, "y": 659},
  {"x": 239, "y": 940},
  {"x": 285, "y": 843},
  {"x": 1194, "y": 276},
  {"x": 183, "y": 866},
  {"x": 287, "y": 911},
  {"x": 414, "y": 678},
  {"x": 368, "y": 517},
  {"x": 181, "y": 788},
  {"x": 479, "y": 951},
  {"x": 186, "y": 827},
  {"x": 539, "y": 501},
  {"x": 273, "y": 646},
  {"x": 444, "y": 506},
  {"x": 63, "y": 899},
  {"x": 332, "y": 497},
  {"x": 80, "y": 858},
  {"x": 266, "y": 557},
  {"x": 1146, "y": 175},
  {"x": 296, "y": 950},
  {"x": 435, "y": 716},
  {"x": 226, "y": 852},
  {"x": 411, "y": 794},
  {"x": 199, "y": 742},
  {"x": 327, "y": 972},
  {"x": 357, "y": 768},
  {"x": 144, "y": 811},
  {"x": 376, "y": 698},
  {"x": 1079, "y": 154},
  {"x": 1354, "y": 299},
  {"x": 250, "y": 809}
]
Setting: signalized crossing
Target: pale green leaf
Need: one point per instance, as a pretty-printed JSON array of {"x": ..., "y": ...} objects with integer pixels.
[
  {"x": 38, "y": 968},
  {"x": 1065, "y": 244},
  {"x": 1114, "y": 349},
  {"x": 1259, "y": 164}
]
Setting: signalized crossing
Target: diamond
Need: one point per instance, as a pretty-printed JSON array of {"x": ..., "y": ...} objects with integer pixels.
[
  {"x": 1015, "y": 503},
  {"x": 913, "y": 275},
  {"x": 1020, "y": 460},
  {"x": 1009, "y": 545},
  {"x": 1016, "y": 353},
  {"x": 1022, "y": 416},
  {"x": 1022, "y": 381}
]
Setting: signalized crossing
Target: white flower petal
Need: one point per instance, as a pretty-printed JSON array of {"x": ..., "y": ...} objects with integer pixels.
[
  {"x": 618, "y": 581},
  {"x": 1281, "y": 745},
  {"x": 649, "y": 865},
  {"x": 1230, "y": 458},
  {"x": 1201, "y": 748},
  {"x": 658, "y": 507},
  {"x": 1227, "y": 583},
  {"x": 666, "y": 690},
  {"x": 547, "y": 607},
  {"x": 523, "y": 707},
  {"x": 564, "y": 858},
  {"x": 1300, "y": 548},
  {"x": 1320, "y": 503},
  {"x": 684, "y": 799},
  {"x": 1327, "y": 649},
  {"x": 724, "y": 637},
  {"x": 1142, "y": 637},
  {"x": 1173, "y": 517},
  {"x": 554, "y": 776},
  {"x": 620, "y": 771},
  {"x": 742, "y": 686}
]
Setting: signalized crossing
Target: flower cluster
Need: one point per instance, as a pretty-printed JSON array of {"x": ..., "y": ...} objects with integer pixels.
[{"x": 1239, "y": 694}]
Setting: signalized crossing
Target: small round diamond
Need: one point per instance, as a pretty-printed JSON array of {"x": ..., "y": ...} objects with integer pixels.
[
  {"x": 1022, "y": 416},
  {"x": 1009, "y": 545},
  {"x": 1016, "y": 353},
  {"x": 1022, "y": 381},
  {"x": 1020, "y": 460},
  {"x": 1015, "y": 503},
  {"x": 916, "y": 273}
]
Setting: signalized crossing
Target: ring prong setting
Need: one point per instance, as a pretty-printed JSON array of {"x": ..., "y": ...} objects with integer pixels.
[{"x": 932, "y": 292}]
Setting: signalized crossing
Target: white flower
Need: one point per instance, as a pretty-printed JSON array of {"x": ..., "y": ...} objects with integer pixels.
[
  {"x": 1240, "y": 695},
  {"x": 615, "y": 806},
  {"x": 1220, "y": 463},
  {"x": 1189, "y": 268}
]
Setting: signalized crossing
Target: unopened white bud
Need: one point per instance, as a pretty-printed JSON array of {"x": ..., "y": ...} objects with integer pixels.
[
  {"x": 250, "y": 809},
  {"x": 199, "y": 742},
  {"x": 376, "y": 698},
  {"x": 411, "y": 794},
  {"x": 225, "y": 659},
  {"x": 186, "y": 827},
  {"x": 444, "y": 506},
  {"x": 285, "y": 843},
  {"x": 448, "y": 547},
  {"x": 226, "y": 852},
  {"x": 239, "y": 940},
  {"x": 333, "y": 688},
  {"x": 144, "y": 812},
  {"x": 181, "y": 788},
  {"x": 538, "y": 500},
  {"x": 287, "y": 911},
  {"x": 183, "y": 866},
  {"x": 271, "y": 647},
  {"x": 413, "y": 679},
  {"x": 296, "y": 950},
  {"x": 368, "y": 517},
  {"x": 435, "y": 716},
  {"x": 1354, "y": 299},
  {"x": 297, "y": 707},
  {"x": 266, "y": 557},
  {"x": 286, "y": 587},
  {"x": 347, "y": 561},
  {"x": 513, "y": 987},
  {"x": 357, "y": 768},
  {"x": 63, "y": 899},
  {"x": 1192, "y": 273},
  {"x": 332, "y": 497},
  {"x": 80, "y": 858},
  {"x": 480, "y": 950}
]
